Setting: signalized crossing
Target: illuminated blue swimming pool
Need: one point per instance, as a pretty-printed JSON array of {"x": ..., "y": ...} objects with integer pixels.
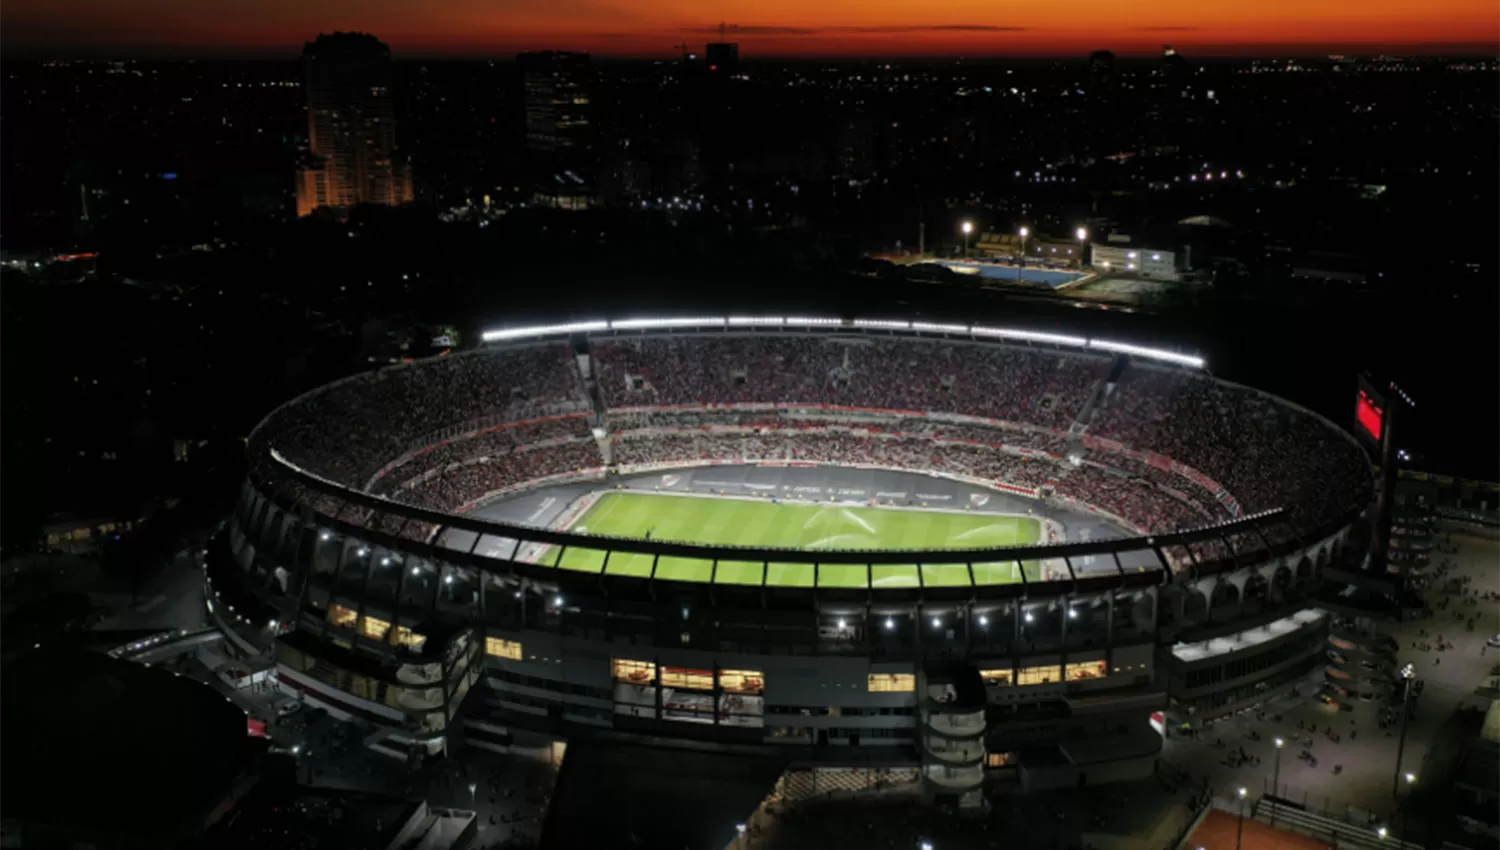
[{"x": 996, "y": 271}]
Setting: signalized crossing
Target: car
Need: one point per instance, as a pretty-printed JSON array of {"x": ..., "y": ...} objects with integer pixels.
[
  {"x": 288, "y": 708},
  {"x": 1494, "y": 641}
]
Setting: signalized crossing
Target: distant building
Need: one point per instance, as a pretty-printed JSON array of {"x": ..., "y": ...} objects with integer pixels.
[
  {"x": 1330, "y": 267},
  {"x": 723, "y": 58},
  {"x": 1053, "y": 251},
  {"x": 559, "y": 137},
  {"x": 1129, "y": 259},
  {"x": 351, "y": 121}
]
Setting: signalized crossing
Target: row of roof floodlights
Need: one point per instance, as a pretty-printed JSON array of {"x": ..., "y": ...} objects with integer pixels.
[{"x": 535, "y": 331}]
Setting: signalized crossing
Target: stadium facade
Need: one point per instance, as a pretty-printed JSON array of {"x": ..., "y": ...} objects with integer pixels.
[{"x": 361, "y": 554}]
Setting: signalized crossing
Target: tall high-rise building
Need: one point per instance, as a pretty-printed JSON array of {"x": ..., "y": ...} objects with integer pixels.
[
  {"x": 723, "y": 58},
  {"x": 351, "y": 126},
  {"x": 559, "y": 137}
]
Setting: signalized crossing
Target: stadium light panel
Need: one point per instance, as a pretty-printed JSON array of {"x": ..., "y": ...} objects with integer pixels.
[
  {"x": 942, "y": 329},
  {"x": 741, "y": 321},
  {"x": 543, "y": 330},
  {"x": 881, "y": 323},
  {"x": 647, "y": 324},
  {"x": 1029, "y": 336},
  {"x": 1149, "y": 353},
  {"x": 812, "y": 322}
]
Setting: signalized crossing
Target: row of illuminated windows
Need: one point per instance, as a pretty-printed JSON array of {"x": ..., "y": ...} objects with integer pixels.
[
  {"x": 646, "y": 673},
  {"x": 503, "y": 648},
  {"x": 785, "y": 574},
  {"x": 1046, "y": 674},
  {"x": 87, "y": 533},
  {"x": 375, "y": 628},
  {"x": 892, "y": 683}
]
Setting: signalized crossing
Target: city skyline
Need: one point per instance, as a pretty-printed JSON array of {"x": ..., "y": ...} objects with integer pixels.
[{"x": 841, "y": 29}]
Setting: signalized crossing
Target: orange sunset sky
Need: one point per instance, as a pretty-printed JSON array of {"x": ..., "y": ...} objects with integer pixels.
[{"x": 650, "y": 28}]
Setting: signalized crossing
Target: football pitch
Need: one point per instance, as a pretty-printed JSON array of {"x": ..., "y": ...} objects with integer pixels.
[{"x": 761, "y": 522}]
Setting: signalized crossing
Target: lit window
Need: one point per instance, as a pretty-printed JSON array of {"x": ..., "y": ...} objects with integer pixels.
[
  {"x": 998, "y": 678},
  {"x": 375, "y": 628},
  {"x": 1001, "y": 759},
  {"x": 503, "y": 648},
  {"x": 1038, "y": 675},
  {"x": 885, "y": 683},
  {"x": 680, "y": 677},
  {"x": 338, "y": 615},
  {"x": 410, "y": 639},
  {"x": 635, "y": 672},
  {"x": 742, "y": 681},
  {"x": 1086, "y": 670}
]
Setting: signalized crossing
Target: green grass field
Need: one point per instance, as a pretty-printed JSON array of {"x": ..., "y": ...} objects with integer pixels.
[{"x": 755, "y": 522}]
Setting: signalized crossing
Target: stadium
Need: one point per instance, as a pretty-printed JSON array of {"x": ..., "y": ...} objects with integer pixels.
[{"x": 1001, "y": 558}]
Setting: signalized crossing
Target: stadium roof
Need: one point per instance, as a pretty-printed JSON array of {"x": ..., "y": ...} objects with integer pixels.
[{"x": 826, "y": 324}]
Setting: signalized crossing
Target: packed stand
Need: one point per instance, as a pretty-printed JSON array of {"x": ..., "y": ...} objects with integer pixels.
[
  {"x": 1267, "y": 454},
  {"x": 1045, "y": 388},
  {"x": 349, "y": 430},
  {"x": 461, "y": 485},
  {"x": 494, "y": 441}
]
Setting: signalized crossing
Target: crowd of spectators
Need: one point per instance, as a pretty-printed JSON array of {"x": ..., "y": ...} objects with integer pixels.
[
  {"x": 999, "y": 382},
  {"x": 1265, "y": 453},
  {"x": 488, "y": 443},
  {"x": 462, "y": 484},
  {"x": 349, "y": 430}
]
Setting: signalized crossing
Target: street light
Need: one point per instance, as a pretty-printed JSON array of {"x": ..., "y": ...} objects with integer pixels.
[
  {"x": 1083, "y": 237},
  {"x": 1276, "y": 779},
  {"x": 1239, "y": 836},
  {"x": 740, "y": 828},
  {"x": 967, "y": 227},
  {"x": 473, "y": 786},
  {"x": 1407, "y": 673},
  {"x": 1023, "y": 233}
]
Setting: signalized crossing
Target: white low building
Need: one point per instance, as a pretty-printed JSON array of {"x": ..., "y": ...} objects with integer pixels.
[{"x": 1128, "y": 259}]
